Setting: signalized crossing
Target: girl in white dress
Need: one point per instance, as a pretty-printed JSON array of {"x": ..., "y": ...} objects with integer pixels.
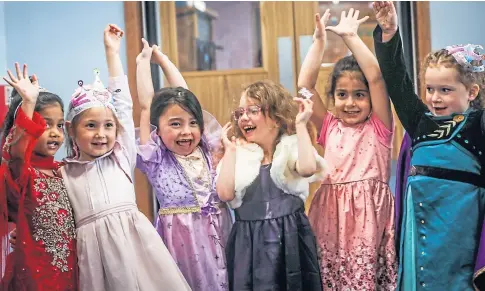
[{"x": 118, "y": 247}]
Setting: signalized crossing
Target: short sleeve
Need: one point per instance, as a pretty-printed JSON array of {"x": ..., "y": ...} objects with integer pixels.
[
  {"x": 150, "y": 154},
  {"x": 384, "y": 135},
  {"x": 329, "y": 122}
]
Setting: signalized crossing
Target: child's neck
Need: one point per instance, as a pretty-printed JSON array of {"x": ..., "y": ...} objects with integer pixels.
[{"x": 268, "y": 151}]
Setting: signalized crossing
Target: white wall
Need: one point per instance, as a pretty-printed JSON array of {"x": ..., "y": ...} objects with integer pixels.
[{"x": 456, "y": 23}]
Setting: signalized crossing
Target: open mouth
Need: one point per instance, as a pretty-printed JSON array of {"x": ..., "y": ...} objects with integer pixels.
[
  {"x": 184, "y": 142},
  {"x": 439, "y": 109},
  {"x": 249, "y": 128},
  {"x": 53, "y": 145}
]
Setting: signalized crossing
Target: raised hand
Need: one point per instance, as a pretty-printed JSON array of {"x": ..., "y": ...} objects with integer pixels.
[
  {"x": 233, "y": 142},
  {"x": 349, "y": 24},
  {"x": 27, "y": 89},
  {"x": 112, "y": 38},
  {"x": 320, "y": 23},
  {"x": 305, "y": 110},
  {"x": 386, "y": 16},
  {"x": 146, "y": 53},
  {"x": 226, "y": 142},
  {"x": 157, "y": 56}
]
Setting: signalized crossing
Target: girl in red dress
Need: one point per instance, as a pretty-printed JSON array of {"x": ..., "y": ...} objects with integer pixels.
[{"x": 33, "y": 195}]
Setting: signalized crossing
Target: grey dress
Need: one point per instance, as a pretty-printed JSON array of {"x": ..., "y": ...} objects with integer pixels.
[{"x": 271, "y": 245}]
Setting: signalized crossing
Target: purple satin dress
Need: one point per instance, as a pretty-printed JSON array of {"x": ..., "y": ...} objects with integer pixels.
[{"x": 193, "y": 223}]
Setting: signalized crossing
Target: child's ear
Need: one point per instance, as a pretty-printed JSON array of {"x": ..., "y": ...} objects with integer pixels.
[{"x": 473, "y": 92}]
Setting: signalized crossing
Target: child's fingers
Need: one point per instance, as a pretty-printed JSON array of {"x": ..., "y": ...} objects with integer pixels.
[
  {"x": 25, "y": 72},
  {"x": 17, "y": 68},
  {"x": 226, "y": 125},
  {"x": 116, "y": 29},
  {"x": 12, "y": 77},
  {"x": 8, "y": 81},
  {"x": 351, "y": 13},
  {"x": 363, "y": 19},
  {"x": 35, "y": 81},
  {"x": 356, "y": 14},
  {"x": 342, "y": 15},
  {"x": 326, "y": 16}
]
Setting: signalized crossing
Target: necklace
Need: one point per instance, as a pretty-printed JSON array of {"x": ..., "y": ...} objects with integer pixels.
[{"x": 200, "y": 175}]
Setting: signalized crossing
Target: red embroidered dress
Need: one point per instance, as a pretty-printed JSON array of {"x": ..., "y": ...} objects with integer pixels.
[{"x": 45, "y": 255}]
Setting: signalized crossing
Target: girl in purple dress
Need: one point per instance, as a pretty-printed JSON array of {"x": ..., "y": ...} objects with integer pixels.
[{"x": 177, "y": 153}]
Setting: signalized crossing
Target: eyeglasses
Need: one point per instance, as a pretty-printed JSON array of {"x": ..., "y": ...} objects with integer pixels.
[{"x": 251, "y": 111}]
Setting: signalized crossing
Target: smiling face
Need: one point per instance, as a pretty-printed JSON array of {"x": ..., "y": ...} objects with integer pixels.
[
  {"x": 53, "y": 137},
  {"x": 352, "y": 99},
  {"x": 445, "y": 93},
  {"x": 254, "y": 125},
  {"x": 179, "y": 130},
  {"x": 94, "y": 132}
]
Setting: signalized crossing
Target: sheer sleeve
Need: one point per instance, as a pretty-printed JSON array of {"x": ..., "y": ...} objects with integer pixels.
[{"x": 390, "y": 56}]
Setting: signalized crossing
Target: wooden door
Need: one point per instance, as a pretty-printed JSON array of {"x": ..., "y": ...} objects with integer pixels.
[
  {"x": 286, "y": 30},
  {"x": 219, "y": 90}
]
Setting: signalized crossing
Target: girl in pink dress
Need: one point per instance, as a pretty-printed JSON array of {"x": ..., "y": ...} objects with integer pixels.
[{"x": 352, "y": 213}]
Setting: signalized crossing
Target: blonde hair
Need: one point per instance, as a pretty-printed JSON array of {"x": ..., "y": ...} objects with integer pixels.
[
  {"x": 466, "y": 77},
  {"x": 277, "y": 103}
]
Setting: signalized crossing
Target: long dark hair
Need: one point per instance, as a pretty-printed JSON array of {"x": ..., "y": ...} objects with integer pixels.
[{"x": 180, "y": 96}]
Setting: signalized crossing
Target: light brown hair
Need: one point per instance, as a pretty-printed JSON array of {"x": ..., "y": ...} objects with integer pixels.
[
  {"x": 277, "y": 103},
  {"x": 466, "y": 77}
]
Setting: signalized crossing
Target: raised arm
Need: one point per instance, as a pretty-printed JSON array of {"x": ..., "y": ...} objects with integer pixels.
[
  {"x": 28, "y": 90},
  {"x": 389, "y": 53},
  {"x": 306, "y": 165},
  {"x": 173, "y": 75},
  {"x": 118, "y": 86},
  {"x": 225, "y": 185},
  {"x": 311, "y": 67},
  {"x": 144, "y": 86},
  {"x": 347, "y": 30}
]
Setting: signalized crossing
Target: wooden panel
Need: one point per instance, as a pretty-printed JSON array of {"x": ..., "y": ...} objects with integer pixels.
[
  {"x": 276, "y": 21},
  {"x": 304, "y": 23},
  {"x": 219, "y": 93},
  {"x": 168, "y": 29},
  {"x": 423, "y": 40},
  {"x": 133, "y": 35}
]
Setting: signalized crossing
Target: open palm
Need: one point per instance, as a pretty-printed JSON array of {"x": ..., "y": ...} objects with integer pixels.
[
  {"x": 349, "y": 24},
  {"x": 386, "y": 16},
  {"x": 27, "y": 89}
]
